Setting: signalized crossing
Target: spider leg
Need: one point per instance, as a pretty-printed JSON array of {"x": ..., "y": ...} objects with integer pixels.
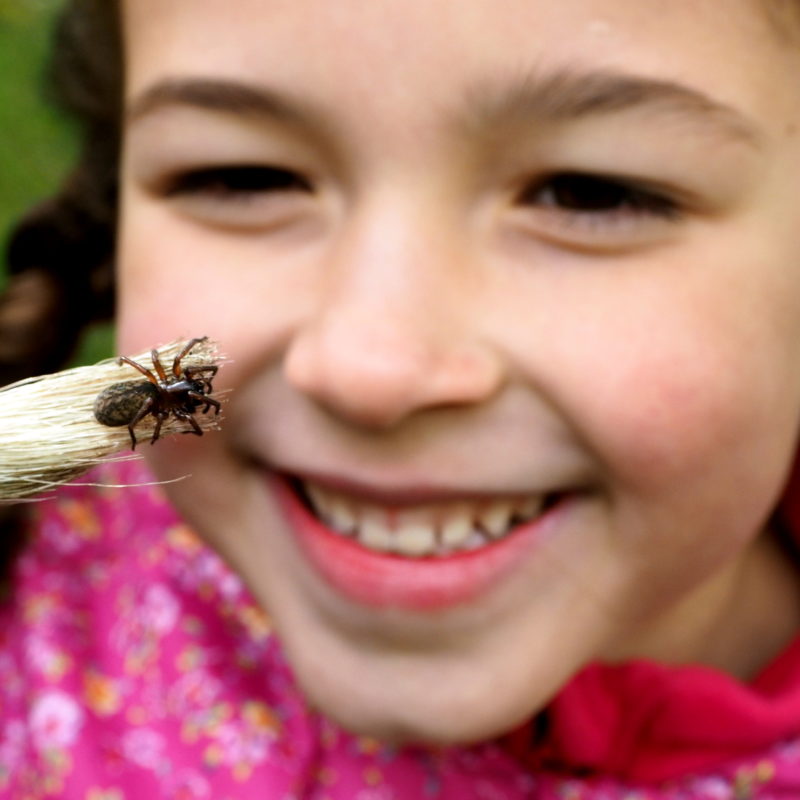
[
  {"x": 196, "y": 374},
  {"x": 158, "y": 367},
  {"x": 207, "y": 401},
  {"x": 191, "y": 420},
  {"x": 190, "y": 372},
  {"x": 176, "y": 364},
  {"x": 203, "y": 374},
  {"x": 157, "y": 430},
  {"x": 140, "y": 415},
  {"x": 136, "y": 365}
]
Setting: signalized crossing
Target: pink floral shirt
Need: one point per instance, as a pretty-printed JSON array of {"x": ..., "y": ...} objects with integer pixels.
[{"x": 134, "y": 664}]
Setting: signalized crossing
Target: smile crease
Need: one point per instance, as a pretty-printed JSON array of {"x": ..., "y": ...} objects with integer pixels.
[{"x": 432, "y": 529}]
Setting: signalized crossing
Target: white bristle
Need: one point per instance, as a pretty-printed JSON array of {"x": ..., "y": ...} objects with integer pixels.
[{"x": 48, "y": 431}]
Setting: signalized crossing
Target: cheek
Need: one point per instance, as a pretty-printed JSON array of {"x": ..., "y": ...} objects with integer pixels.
[
  {"x": 176, "y": 281},
  {"x": 693, "y": 445},
  {"x": 696, "y": 422},
  {"x": 674, "y": 366},
  {"x": 674, "y": 385},
  {"x": 660, "y": 413},
  {"x": 162, "y": 297}
]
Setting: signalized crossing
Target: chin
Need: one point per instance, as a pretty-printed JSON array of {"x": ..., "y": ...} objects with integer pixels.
[
  {"x": 402, "y": 727},
  {"x": 414, "y": 712}
]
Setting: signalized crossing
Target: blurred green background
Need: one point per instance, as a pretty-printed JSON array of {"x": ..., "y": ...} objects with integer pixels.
[{"x": 37, "y": 146}]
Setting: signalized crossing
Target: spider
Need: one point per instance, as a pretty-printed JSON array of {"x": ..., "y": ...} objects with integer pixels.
[{"x": 180, "y": 394}]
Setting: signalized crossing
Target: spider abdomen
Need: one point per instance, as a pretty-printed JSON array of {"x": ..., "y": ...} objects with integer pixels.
[
  {"x": 119, "y": 403},
  {"x": 179, "y": 395}
]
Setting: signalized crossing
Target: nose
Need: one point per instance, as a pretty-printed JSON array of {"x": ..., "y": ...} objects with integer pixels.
[{"x": 395, "y": 328}]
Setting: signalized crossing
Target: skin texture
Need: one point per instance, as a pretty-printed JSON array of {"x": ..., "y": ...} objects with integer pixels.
[{"x": 416, "y": 309}]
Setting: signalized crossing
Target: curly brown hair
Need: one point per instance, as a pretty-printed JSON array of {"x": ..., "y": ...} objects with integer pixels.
[{"x": 60, "y": 255}]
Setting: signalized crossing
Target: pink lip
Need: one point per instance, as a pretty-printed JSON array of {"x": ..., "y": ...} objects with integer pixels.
[{"x": 382, "y": 580}]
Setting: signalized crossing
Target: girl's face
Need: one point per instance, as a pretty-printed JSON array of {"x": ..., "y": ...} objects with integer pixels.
[{"x": 511, "y": 289}]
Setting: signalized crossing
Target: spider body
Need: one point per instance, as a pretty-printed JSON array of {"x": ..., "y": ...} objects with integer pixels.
[
  {"x": 121, "y": 402},
  {"x": 180, "y": 394}
]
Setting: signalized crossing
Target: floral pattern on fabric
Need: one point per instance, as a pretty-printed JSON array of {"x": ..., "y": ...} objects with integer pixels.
[{"x": 134, "y": 664}]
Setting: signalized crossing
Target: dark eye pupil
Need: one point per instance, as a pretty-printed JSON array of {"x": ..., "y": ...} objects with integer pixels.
[
  {"x": 258, "y": 179},
  {"x": 239, "y": 179},
  {"x": 584, "y": 193}
]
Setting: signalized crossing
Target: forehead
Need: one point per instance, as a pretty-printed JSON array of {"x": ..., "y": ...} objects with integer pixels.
[
  {"x": 351, "y": 51},
  {"x": 525, "y": 21}
]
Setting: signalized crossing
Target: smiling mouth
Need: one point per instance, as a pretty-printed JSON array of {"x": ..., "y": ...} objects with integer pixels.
[{"x": 430, "y": 530}]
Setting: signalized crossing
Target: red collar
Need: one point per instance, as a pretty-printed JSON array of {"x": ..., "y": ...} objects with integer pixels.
[{"x": 647, "y": 722}]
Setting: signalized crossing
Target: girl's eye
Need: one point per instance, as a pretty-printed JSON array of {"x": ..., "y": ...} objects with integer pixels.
[
  {"x": 239, "y": 197},
  {"x": 237, "y": 181},
  {"x": 581, "y": 194}
]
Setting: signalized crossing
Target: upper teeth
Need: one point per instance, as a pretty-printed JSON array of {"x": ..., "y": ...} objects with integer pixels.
[{"x": 431, "y": 529}]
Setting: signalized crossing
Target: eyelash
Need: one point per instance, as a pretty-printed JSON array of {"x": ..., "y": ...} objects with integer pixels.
[
  {"x": 596, "y": 203},
  {"x": 587, "y": 195},
  {"x": 238, "y": 181}
]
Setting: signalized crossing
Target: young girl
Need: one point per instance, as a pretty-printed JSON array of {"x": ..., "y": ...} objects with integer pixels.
[{"x": 512, "y": 298}]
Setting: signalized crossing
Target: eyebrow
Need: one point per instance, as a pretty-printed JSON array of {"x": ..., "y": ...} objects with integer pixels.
[
  {"x": 214, "y": 94},
  {"x": 560, "y": 96},
  {"x": 569, "y": 94}
]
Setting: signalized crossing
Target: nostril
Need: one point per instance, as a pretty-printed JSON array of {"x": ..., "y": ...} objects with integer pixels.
[
  {"x": 369, "y": 379},
  {"x": 376, "y": 372}
]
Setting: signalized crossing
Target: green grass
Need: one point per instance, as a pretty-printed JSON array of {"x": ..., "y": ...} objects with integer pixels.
[{"x": 37, "y": 146}]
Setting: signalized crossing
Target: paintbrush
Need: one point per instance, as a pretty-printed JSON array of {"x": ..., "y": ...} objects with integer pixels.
[{"x": 55, "y": 427}]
